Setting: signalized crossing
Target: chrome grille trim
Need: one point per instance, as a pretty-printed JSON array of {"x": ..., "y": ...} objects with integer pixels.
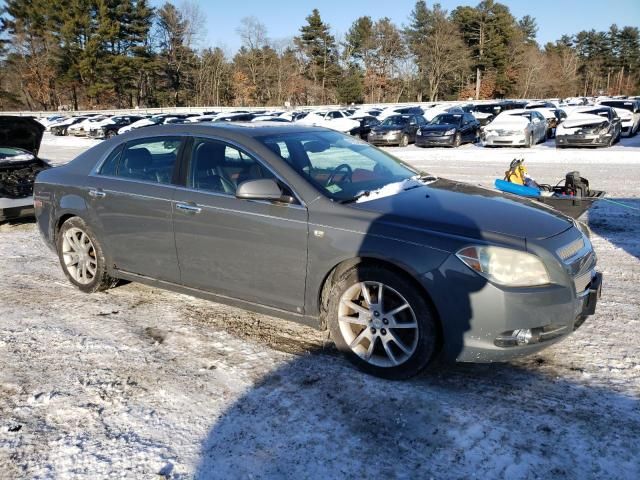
[
  {"x": 582, "y": 281},
  {"x": 571, "y": 250}
]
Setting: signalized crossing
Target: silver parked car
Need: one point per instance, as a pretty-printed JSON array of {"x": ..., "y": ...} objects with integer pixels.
[
  {"x": 315, "y": 226},
  {"x": 516, "y": 128}
]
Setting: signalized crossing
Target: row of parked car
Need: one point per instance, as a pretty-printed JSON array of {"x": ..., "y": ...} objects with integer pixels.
[{"x": 583, "y": 122}]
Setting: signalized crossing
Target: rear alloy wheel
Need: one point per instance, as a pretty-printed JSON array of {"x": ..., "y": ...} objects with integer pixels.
[
  {"x": 81, "y": 257},
  {"x": 382, "y": 324},
  {"x": 404, "y": 140},
  {"x": 457, "y": 140}
]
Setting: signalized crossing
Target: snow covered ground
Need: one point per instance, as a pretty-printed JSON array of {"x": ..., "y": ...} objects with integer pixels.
[{"x": 141, "y": 383}]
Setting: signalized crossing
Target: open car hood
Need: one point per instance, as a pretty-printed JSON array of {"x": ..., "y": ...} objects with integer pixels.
[{"x": 21, "y": 132}]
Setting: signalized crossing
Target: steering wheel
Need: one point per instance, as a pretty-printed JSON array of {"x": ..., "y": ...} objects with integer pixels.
[{"x": 348, "y": 173}]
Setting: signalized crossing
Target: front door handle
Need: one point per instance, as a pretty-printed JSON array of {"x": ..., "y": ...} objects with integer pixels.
[
  {"x": 188, "y": 208},
  {"x": 97, "y": 193}
]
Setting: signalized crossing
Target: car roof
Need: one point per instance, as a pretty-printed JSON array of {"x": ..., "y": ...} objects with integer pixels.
[{"x": 227, "y": 129}]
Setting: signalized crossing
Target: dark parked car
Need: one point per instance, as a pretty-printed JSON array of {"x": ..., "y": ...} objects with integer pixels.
[
  {"x": 114, "y": 124},
  {"x": 366, "y": 124},
  {"x": 396, "y": 130},
  {"x": 316, "y": 226},
  {"x": 20, "y": 139},
  {"x": 449, "y": 130}
]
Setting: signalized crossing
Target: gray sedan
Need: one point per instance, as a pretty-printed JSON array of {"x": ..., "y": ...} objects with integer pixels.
[{"x": 311, "y": 225}]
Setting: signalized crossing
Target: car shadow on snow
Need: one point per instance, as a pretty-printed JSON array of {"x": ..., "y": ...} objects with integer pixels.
[
  {"x": 316, "y": 417},
  {"x": 617, "y": 220}
]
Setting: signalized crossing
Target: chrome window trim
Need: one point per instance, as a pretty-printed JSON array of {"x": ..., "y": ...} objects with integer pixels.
[{"x": 96, "y": 169}]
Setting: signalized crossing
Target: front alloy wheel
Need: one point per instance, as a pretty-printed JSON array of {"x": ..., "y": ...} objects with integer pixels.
[
  {"x": 378, "y": 324},
  {"x": 381, "y": 321}
]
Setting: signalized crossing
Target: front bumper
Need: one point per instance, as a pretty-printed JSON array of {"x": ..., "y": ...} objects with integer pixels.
[
  {"x": 493, "y": 140},
  {"x": 384, "y": 139},
  {"x": 583, "y": 140},
  {"x": 14, "y": 208},
  {"x": 434, "y": 140},
  {"x": 477, "y": 316}
]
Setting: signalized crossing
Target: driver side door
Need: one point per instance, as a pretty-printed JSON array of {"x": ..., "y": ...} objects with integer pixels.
[{"x": 251, "y": 250}]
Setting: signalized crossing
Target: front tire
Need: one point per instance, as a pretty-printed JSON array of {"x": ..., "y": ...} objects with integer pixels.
[
  {"x": 457, "y": 140},
  {"x": 404, "y": 140},
  {"x": 381, "y": 322},
  {"x": 82, "y": 258}
]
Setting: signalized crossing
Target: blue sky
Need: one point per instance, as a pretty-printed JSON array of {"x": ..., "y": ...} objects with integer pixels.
[{"x": 284, "y": 18}]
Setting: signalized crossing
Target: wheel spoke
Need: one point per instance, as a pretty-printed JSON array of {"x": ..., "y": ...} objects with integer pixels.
[
  {"x": 358, "y": 308},
  {"x": 380, "y": 296},
  {"x": 84, "y": 270},
  {"x": 354, "y": 320},
  {"x": 361, "y": 336},
  {"x": 397, "y": 310},
  {"x": 365, "y": 293},
  {"x": 403, "y": 325},
  {"x": 390, "y": 354},
  {"x": 399, "y": 343},
  {"x": 372, "y": 344}
]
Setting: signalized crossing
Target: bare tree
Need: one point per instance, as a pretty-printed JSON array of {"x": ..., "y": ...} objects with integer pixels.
[{"x": 445, "y": 53}]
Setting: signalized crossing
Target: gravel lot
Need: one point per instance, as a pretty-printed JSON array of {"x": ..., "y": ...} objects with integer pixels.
[{"x": 141, "y": 383}]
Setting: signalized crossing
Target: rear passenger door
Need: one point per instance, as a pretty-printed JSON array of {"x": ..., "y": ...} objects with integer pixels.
[
  {"x": 131, "y": 198},
  {"x": 246, "y": 249}
]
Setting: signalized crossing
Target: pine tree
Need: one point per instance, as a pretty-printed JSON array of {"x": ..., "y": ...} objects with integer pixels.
[{"x": 319, "y": 47}]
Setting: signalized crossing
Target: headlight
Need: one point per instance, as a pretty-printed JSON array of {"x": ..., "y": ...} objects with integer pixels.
[
  {"x": 450, "y": 132},
  {"x": 504, "y": 266}
]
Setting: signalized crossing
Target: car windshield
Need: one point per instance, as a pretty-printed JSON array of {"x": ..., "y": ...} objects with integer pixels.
[
  {"x": 14, "y": 154},
  {"x": 340, "y": 166},
  {"x": 527, "y": 115},
  {"x": 603, "y": 112},
  {"x": 447, "y": 119},
  {"x": 395, "y": 121}
]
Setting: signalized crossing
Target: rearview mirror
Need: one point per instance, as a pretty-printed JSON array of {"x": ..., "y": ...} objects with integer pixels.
[{"x": 260, "y": 189}]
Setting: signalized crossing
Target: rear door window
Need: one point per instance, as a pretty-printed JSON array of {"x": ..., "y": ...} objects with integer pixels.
[{"x": 150, "y": 160}]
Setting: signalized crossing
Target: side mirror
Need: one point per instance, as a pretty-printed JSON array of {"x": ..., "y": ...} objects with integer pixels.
[{"x": 260, "y": 189}]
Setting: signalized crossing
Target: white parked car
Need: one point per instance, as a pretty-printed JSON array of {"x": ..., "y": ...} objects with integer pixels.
[
  {"x": 81, "y": 129},
  {"x": 333, "y": 119},
  {"x": 516, "y": 128}
]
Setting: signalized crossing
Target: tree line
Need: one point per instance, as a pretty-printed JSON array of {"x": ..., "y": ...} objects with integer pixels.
[{"x": 80, "y": 54}]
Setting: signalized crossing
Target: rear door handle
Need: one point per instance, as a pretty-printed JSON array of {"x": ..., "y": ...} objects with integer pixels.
[
  {"x": 188, "y": 208},
  {"x": 97, "y": 193}
]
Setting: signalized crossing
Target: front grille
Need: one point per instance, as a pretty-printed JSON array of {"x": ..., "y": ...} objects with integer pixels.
[
  {"x": 571, "y": 249},
  {"x": 582, "y": 141},
  {"x": 582, "y": 281}
]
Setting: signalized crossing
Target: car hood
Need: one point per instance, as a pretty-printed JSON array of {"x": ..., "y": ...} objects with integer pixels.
[
  {"x": 583, "y": 120},
  {"x": 512, "y": 122},
  {"x": 438, "y": 128},
  {"x": 467, "y": 210},
  {"x": 21, "y": 132}
]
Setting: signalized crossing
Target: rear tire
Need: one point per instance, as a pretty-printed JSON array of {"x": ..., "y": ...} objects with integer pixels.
[
  {"x": 366, "y": 333},
  {"x": 82, "y": 258}
]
